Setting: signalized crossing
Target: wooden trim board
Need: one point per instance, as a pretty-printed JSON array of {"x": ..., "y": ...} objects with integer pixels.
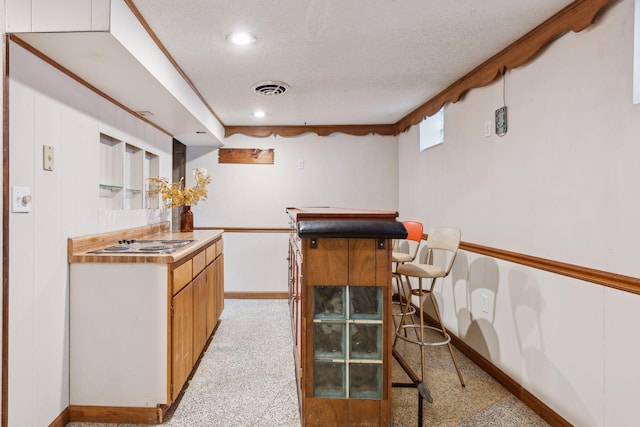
[
  {"x": 252, "y": 156},
  {"x": 117, "y": 414},
  {"x": 257, "y": 295}
]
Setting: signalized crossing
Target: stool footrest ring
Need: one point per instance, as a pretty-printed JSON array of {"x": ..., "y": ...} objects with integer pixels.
[
  {"x": 410, "y": 310},
  {"x": 444, "y": 342}
]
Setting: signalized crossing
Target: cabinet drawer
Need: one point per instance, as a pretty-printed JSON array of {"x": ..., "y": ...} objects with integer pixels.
[
  {"x": 181, "y": 276},
  {"x": 211, "y": 253},
  {"x": 199, "y": 263},
  {"x": 214, "y": 251},
  {"x": 218, "y": 248}
]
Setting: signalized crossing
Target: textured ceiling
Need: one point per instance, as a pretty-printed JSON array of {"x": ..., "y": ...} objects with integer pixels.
[{"x": 347, "y": 62}]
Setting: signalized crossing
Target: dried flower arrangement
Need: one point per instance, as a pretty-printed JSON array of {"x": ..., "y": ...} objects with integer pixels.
[{"x": 178, "y": 194}]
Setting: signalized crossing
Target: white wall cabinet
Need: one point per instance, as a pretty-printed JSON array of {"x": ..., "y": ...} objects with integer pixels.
[{"x": 58, "y": 15}]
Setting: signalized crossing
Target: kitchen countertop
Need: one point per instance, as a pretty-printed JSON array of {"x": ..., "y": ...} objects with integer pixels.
[{"x": 79, "y": 248}]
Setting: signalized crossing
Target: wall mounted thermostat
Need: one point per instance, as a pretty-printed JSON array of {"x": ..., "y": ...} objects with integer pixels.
[{"x": 501, "y": 121}]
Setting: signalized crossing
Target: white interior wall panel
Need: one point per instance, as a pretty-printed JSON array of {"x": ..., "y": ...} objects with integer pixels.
[
  {"x": 255, "y": 262},
  {"x": 49, "y": 280},
  {"x": 621, "y": 355},
  {"x": 100, "y": 15},
  {"x": 18, "y": 15},
  {"x": 57, "y": 15},
  {"x": 60, "y": 15},
  {"x": 48, "y": 108},
  {"x": 2, "y": 67},
  {"x": 21, "y": 379},
  {"x": 559, "y": 185}
]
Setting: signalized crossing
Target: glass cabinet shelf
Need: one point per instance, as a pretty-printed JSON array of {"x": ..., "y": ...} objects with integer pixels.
[{"x": 110, "y": 187}]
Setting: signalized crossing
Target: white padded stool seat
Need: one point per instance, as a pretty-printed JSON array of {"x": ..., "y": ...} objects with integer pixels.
[
  {"x": 401, "y": 257},
  {"x": 421, "y": 270}
]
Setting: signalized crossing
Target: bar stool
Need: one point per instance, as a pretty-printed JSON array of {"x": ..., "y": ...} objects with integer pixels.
[
  {"x": 447, "y": 241},
  {"x": 398, "y": 257}
]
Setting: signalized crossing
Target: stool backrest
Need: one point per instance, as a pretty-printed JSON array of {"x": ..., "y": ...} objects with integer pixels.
[
  {"x": 446, "y": 239},
  {"x": 414, "y": 230},
  {"x": 414, "y": 234}
]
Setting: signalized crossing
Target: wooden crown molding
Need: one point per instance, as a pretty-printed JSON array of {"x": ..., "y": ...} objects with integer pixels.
[{"x": 321, "y": 130}]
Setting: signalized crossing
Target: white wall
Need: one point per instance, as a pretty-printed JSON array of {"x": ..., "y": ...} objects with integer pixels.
[
  {"x": 46, "y": 107},
  {"x": 2, "y": 70},
  {"x": 340, "y": 170},
  {"x": 562, "y": 184}
]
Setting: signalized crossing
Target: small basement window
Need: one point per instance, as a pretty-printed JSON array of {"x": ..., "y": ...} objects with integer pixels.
[{"x": 432, "y": 130}]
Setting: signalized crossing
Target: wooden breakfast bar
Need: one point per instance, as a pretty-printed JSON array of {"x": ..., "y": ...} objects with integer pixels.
[{"x": 340, "y": 301}]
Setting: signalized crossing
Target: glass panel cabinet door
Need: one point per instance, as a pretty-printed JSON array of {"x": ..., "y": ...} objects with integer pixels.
[
  {"x": 329, "y": 379},
  {"x": 329, "y": 302},
  {"x": 366, "y": 341},
  {"x": 366, "y": 302},
  {"x": 347, "y": 342},
  {"x": 365, "y": 381},
  {"x": 328, "y": 340}
]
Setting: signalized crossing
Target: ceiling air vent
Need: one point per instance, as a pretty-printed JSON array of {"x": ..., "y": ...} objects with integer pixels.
[{"x": 270, "y": 88}]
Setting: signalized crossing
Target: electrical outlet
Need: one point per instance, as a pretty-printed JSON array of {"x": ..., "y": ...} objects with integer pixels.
[
  {"x": 485, "y": 303},
  {"x": 300, "y": 164}
]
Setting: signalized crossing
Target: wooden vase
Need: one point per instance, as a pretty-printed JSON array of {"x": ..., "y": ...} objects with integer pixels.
[{"x": 186, "y": 218}]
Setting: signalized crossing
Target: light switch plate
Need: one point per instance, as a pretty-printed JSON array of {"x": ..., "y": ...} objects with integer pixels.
[
  {"x": 20, "y": 199},
  {"x": 487, "y": 129},
  {"x": 47, "y": 157}
]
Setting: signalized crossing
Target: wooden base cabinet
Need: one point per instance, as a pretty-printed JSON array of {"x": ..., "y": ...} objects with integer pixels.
[
  {"x": 137, "y": 329},
  {"x": 341, "y": 316},
  {"x": 182, "y": 339},
  {"x": 196, "y": 306}
]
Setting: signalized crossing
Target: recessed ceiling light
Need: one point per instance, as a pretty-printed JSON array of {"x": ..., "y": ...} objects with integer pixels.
[
  {"x": 241, "y": 38},
  {"x": 259, "y": 114}
]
